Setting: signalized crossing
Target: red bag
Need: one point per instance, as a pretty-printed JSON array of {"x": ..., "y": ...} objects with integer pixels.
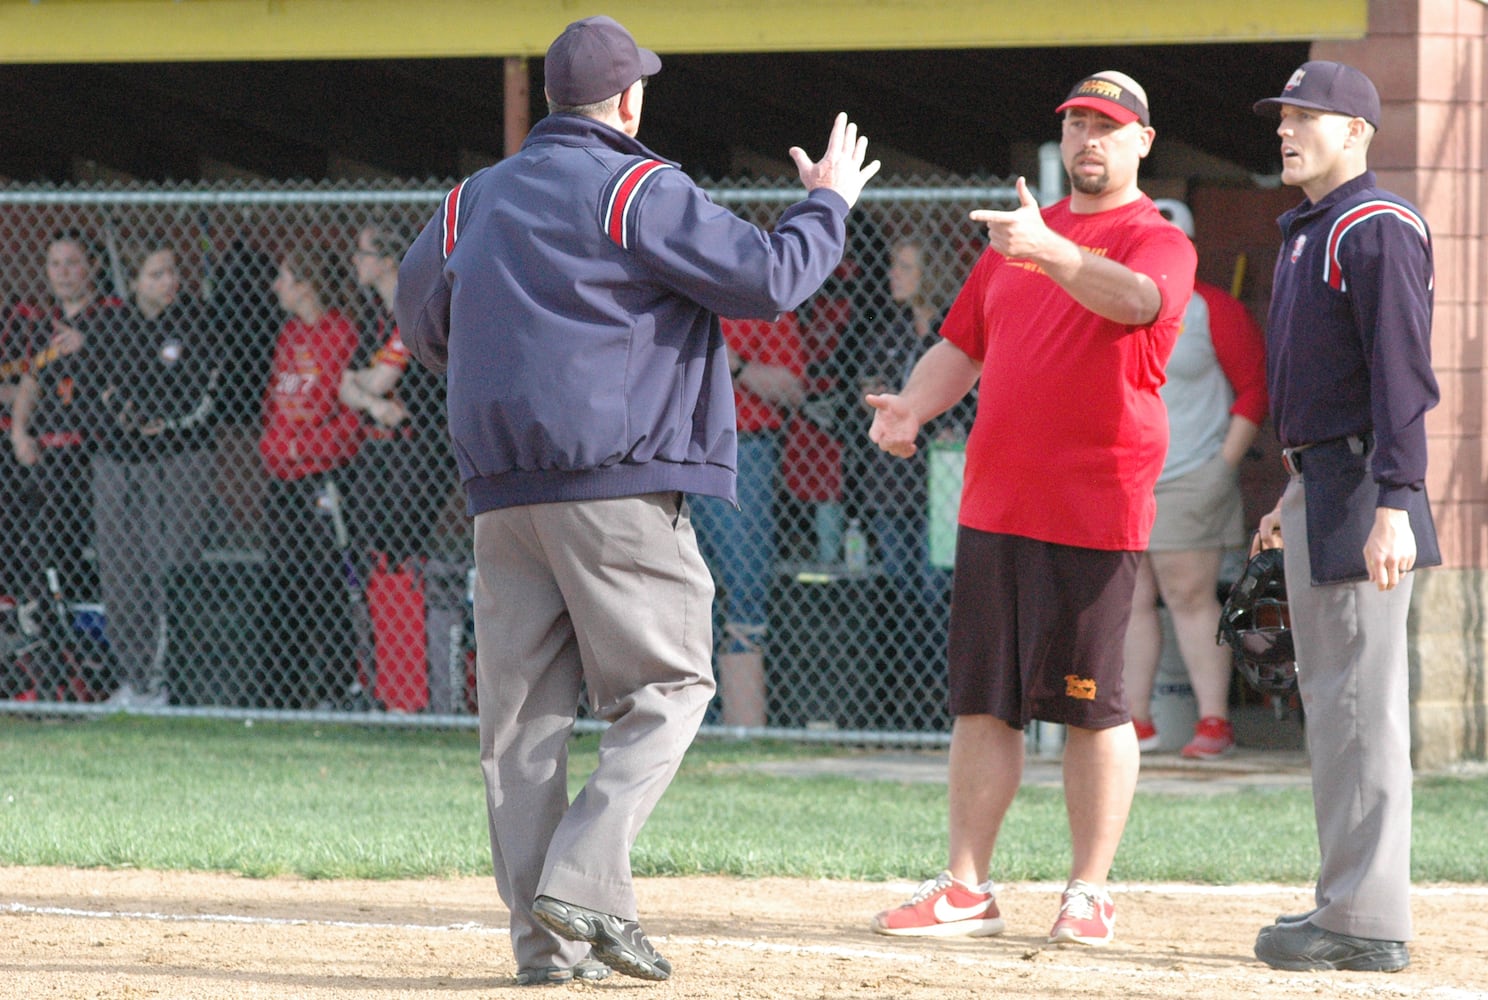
[{"x": 395, "y": 600}]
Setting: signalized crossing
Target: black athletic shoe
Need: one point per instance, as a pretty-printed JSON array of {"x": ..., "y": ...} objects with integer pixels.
[
  {"x": 620, "y": 944},
  {"x": 1294, "y": 918},
  {"x": 586, "y": 970},
  {"x": 1303, "y": 946}
]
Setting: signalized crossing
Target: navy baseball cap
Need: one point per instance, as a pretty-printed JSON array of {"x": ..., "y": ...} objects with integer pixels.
[
  {"x": 1327, "y": 86},
  {"x": 592, "y": 60},
  {"x": 1113, "y": 94}
]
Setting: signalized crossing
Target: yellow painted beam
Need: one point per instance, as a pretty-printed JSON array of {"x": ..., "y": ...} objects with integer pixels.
[{"x": 33, "y": 31}]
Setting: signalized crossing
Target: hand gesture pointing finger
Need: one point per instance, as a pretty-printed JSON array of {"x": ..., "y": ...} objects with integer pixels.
[{"x": 1020, "y": 232}]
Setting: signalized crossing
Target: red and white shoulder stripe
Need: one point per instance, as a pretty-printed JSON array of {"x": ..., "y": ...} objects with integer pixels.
[
  {"x": 1361, "y": 213},
  {"x": 621, "y": 197},
  {"x": 450, "y": 213}
]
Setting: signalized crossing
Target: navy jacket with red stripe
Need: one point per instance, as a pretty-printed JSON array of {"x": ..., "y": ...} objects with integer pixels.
[
  {"x": 571, "y": 294},
  {"x": 1348, "y": 338}
]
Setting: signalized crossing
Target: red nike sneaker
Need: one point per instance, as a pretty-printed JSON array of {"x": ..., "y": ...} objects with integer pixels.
[{"x": 944, "y": 907}]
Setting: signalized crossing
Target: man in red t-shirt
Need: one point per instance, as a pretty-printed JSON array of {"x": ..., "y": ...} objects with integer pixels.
[{"x": 1067, "y": 320}]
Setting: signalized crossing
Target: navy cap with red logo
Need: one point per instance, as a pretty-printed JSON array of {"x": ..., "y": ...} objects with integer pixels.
[
  {"x": 1333, "y": 87},
  {"x": 594, "y": 59}
]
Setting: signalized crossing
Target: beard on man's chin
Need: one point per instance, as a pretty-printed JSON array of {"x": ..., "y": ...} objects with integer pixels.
[{"x": 1090, "y": 185}]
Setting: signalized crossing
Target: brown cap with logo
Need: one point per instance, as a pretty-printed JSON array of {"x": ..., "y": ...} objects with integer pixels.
[{"x": 1113, "y": 94}]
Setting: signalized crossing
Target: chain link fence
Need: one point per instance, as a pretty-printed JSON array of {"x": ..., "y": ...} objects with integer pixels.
[{"x": 227, "y": 489}]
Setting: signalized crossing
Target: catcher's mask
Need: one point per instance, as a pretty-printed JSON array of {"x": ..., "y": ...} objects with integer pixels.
[{"x": 1256, "y": 624}]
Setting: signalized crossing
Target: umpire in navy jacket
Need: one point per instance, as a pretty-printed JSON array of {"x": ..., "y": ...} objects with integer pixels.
[
  {"x": 571, "y": 294},
  {"x": 1348, "y": 365}
]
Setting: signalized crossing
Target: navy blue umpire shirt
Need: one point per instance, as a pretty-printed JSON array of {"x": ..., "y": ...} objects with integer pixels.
[
  {"x": 572, "y": 293},
  {"x": 1348, "y": 337}
]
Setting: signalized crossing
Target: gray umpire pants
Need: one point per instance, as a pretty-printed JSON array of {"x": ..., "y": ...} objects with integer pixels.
[
  {"x": 1353, "y": 675},
  {"x": 614, "y": 594}
]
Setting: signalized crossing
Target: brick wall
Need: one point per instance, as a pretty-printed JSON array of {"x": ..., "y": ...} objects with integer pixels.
[{"x": 1427, "y": 57}]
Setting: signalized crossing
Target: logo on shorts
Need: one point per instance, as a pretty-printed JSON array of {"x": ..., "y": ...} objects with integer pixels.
[{"x": 1082, "y": 688}]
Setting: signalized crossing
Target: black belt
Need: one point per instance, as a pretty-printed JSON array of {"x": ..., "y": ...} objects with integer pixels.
[{"x": 1359, "y": 444}]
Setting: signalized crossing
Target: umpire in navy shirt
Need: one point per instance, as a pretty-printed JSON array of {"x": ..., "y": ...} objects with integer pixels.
[
  {"x": 571, "y": 293},
  {"x": 1348, "y": 346}
]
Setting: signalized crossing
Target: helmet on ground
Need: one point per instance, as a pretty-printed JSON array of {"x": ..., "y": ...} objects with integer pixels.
[{"x": 1256, "y": 624}]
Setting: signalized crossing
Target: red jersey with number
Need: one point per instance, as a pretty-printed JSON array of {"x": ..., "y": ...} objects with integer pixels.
[
  {"x": 1070, "y": 433},
  {"x": 306, "y": 428}
]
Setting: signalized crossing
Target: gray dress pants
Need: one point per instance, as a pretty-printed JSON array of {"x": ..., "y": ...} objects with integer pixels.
[
  {"x": 1354, "y": 678},
  {"x": 613, "y": 594}
]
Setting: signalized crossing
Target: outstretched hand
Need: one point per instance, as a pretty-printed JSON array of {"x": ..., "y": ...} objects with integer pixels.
[
  {"x": 895, "y": 426},
  {"x": 1020, "y": 232},
  {"x": 841, "y": 168}
]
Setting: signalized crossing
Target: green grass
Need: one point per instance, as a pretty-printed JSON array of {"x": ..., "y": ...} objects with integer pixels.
[{"x": 348, "y": 802}]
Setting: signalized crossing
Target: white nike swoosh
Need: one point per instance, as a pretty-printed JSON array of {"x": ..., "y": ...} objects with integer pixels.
[{"x": 947, "y": 912}]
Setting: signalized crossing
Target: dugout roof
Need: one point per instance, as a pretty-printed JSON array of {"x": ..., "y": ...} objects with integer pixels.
[{"x": 180, "y": 89}]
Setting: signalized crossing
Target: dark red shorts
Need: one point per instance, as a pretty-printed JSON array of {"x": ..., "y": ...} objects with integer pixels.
[{"x": 1037, "y": 631}]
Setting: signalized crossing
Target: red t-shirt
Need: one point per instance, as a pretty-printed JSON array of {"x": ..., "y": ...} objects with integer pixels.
[
  {"x": 811, "y": 459},
  {"x": 1070, "y": 432},
  {"x": 1240, "y": 349},
  {"x": 306, "y": 428},
  {"x": 765, "y": 342}
]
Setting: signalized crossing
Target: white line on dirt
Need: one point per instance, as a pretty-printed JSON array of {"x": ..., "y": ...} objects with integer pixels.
[
  {"x": 1363, "y": 989},
  {"x": 21, "y": 909},
  {"x": 1189, "y": 888},
  {"x": 1393, "y": 989}
]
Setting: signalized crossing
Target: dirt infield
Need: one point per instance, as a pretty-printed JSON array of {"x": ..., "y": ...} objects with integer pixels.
[{"x": 132, "y": 934}]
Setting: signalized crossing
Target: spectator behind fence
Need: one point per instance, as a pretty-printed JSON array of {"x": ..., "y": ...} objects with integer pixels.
[
  {"x": 401, "y": 479},
  {"x": 572, "y": 292},
  {"x": 152, "y": 467},
  {"x": 889, "y": 496},
  {"x": 245, "y": 318},
  {"x": 15, "y": 336},
  {"x": 811, "y": 466},
  {"x": 64, "y": 339},
  {"x": 1215, "y": 395},
  {"x": 1067, "y": 319},
  {"x": 887, "y": 492},
  {"x": 739, "y": 543},
  {"x": 308, "y": 439}
]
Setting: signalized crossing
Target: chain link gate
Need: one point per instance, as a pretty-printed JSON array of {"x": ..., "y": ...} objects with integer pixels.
[{"x": 226, "y": 489}]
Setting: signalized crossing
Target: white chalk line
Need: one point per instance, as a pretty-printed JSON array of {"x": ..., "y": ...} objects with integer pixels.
[
  {"x": 23, "y": 909},
  {"x": 1190, "y": 888},
  {"x": 1393, "y": 987}
]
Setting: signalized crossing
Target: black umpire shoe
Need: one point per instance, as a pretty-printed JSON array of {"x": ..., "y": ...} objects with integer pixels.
[
  {"x": 1295, "y": 918},
  {"x": 620, "y": 944},
  {"x": 1302, "y": 946}
]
